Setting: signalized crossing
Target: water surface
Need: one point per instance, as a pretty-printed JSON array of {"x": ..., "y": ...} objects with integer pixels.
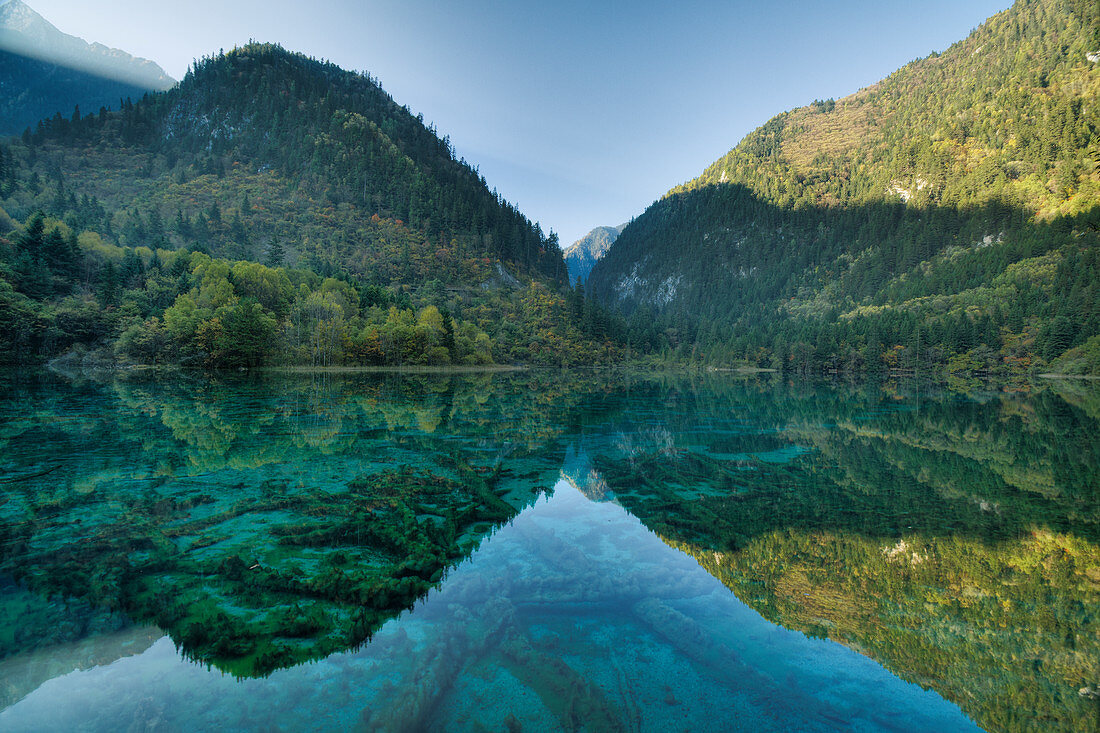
[{"x": 545, "y": 551}]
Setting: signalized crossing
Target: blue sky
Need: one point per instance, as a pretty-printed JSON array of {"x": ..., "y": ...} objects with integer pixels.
[{"x": 580, "y": 113}]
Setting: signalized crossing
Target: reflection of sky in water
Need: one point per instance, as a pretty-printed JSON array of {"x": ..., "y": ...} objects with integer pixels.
[
  {"x": 908, "y": 534},
  {"x": 572, "y": 611}
]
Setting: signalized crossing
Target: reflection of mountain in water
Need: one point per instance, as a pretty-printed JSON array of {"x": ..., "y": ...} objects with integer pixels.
[
  {"x": 954, "y": 541},
  {"x": 45, "y": 639},
  {"x": 263, "y": 523},
  {"x": 581, "y": 475},
  {"x": 573, "y": 616},
  {"x": 262, "y": 526}
]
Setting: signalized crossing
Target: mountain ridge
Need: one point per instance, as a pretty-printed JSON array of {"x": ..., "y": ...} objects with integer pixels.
[
  {"x": 44, "y": 72},
  {"x": 23, "y": 31},
  {"x": 261, "y": 110},
  {"x": 841, "y": 234},
  {"x": 273, "y": 208}
]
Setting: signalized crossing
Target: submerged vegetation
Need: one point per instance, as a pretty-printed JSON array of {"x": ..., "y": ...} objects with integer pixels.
[
  {"x": 266, "y": 521},
  {"x": 956, "y": 542},
  {"x": 260, "y": 524}
]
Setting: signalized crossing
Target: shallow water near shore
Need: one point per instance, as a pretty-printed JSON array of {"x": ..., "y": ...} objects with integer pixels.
[{"x": 543, "y": 551}]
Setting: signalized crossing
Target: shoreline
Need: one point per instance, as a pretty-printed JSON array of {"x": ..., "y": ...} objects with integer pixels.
[
  {"x": 743, "y": 370},
  {"x": 418, "y": 369}
]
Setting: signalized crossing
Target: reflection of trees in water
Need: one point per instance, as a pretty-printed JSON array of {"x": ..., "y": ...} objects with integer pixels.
[
  {"x": 45, "y": 639},
  {"x": 263, "y": 522},
  {"x": 267, "y": 521},
  {"x": 956, "y": 542}
]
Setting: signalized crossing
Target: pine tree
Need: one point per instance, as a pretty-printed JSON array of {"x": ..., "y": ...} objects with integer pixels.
[
  {"x": 33, "y": 236},
  {"x": 107, "y": 290},
  {"x": 275, "y": 254}
]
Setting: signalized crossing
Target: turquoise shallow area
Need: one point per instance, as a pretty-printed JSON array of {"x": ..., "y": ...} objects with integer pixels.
[
  {"x": 545, "y": 551},
  {"x": 605, "y": 616}
]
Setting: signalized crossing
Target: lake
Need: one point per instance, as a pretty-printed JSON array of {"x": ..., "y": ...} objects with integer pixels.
[{"x": 546, "y": 550}]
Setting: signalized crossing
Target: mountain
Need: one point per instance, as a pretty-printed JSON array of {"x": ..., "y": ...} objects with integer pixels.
[
  {"x": 581, "y": 256},
  {"x": 916, "y": 497},
  {"x": 289, "y": 151},
  {"x": 32, "y": 90},
  {"x": 26, "y": 33},
  {"x": 944, "y": 218},
  {"x": 44, "y": 72},
  {"x": 379, "y": 246}
]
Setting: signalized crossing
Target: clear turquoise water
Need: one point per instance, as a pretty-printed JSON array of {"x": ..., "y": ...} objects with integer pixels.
[{"x": 660, "y": 554}]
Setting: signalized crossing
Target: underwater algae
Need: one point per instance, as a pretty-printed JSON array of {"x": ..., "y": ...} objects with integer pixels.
[
  {"x": 265, "y": 522},
  {"x": 327, "y": 571},
  {"x": 258, "y": 528}
]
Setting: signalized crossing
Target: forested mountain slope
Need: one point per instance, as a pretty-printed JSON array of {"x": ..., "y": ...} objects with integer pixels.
[
  {"x": 303, "y": 154},
  {"x": 31, "y": 90},
  {"x": 265, "y": 156},
  {"x": 947, "y": 211}
]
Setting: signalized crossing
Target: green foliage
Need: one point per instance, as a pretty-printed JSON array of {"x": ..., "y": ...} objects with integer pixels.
[
  {"x": 144, "y": 231},
  {"x": 1015, "y": 111},
  {"x": 38, "y": 90},
  {"x": 880, "y": 231},
  {"x": 1083, "y": 359},
  {"x": 192, "y": 309}
]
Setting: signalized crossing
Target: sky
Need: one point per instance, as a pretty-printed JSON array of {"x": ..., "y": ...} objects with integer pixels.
[{"x": 580, "y": 113}]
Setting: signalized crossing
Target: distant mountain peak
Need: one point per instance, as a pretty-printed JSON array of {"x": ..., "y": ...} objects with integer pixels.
[
  {"x": 26, "y": 33},
  {"x": 15, "y": 15},
  {"x": 582, "y": 255}
]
